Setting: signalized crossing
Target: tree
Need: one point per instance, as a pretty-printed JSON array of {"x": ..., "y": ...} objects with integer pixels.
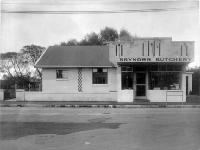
[
  {"x": 125, "y": 35},
  {"x": 8, "y": 55},
  {"x": 91, "y": 39},
  {"x": 31, "y": 54},
  {"x": 63, "y": 44},
  {"x": 71, "y": 42},
  {"x": 108, "y": 34},
  {"x": 15, "y": 67}
]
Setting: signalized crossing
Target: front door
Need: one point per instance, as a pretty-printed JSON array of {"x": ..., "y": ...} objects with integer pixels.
[{"x": 140, "y": 85}]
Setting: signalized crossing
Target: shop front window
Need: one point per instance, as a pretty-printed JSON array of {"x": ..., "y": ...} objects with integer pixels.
[
  {"x": 127, "y": 77},
  {"x": 164, "y": 80},
  {"x": 100, "y": 76}
]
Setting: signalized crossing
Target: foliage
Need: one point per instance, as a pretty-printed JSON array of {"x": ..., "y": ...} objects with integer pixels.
[
  {"x": 8, "y": 55},
  {"x": 108, "y": 34},
  {"x": 15, "y": 66},
  {"x": 125, "y": 35},
  {"x": 31, "y": 54},
  {"x": 91, "y": 39},
  {"x": 71, "y": 42},
  {"x": 18, "y": 68}
]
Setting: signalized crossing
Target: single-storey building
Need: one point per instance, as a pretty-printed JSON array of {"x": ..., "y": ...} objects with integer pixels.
[{"x": 145, "y": 69}]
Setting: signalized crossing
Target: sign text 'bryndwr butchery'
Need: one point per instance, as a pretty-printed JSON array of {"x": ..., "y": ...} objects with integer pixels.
[{"x": 155, "y": 59}]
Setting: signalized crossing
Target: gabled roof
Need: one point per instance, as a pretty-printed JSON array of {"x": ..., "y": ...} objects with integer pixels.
[{"x": 75, "y": 56}]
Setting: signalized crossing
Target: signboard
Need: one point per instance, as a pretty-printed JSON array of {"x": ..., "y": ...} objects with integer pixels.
[{"x": 154, "y": 59}]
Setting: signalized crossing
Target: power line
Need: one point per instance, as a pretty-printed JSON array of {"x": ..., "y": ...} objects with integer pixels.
[{"x": 97, "y": 12}]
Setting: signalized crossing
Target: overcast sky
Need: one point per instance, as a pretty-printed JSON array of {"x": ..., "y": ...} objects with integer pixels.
[{"x": 48, "y": 26}]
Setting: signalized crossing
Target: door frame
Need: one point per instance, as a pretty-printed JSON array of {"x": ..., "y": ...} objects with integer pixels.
[{"x": 135, "y": 84}]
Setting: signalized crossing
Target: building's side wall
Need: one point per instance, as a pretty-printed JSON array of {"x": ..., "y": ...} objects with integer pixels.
[
  {"x": 67, "y": 89},
  {"x": 52, "y": 85}
]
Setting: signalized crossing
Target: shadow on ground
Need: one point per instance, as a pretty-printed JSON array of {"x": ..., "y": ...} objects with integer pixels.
[{"x": 14, "y": 130}]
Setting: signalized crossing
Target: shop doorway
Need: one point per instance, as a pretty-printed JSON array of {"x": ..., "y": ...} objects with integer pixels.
[{"x": 140, "y": 85}]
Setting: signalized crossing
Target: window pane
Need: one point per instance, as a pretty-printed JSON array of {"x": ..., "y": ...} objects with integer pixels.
[
  {"x": 59, "y": 74},
  {"x": 127, "y": 68},
  {"x": 140, "y": 68},
  {"x": 100, "y": 76},
  {"x": 164, "y": 80},
  {"x": 127, "y": 80}
]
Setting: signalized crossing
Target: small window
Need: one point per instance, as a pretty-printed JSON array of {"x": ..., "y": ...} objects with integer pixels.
[
  {"x": 159, "y": 49},
  {"x": 148, "y": 48},
  {"x": 100, "y": 76},
  {"x": 61, "y": 74},
  {"x": 154, "y": 48},
  {"x": 143, "y": 49},
  {"x": 186, "y": 50},
  {"x": 181, "y": 50},
  {"x": 116, "y": 50},
  {"x": 121, "y": 50}
]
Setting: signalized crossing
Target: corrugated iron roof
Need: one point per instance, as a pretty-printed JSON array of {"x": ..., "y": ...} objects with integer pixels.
[{"x": 75, "y": 56}]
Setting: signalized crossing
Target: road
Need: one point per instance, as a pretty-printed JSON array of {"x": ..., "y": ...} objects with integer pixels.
[{"x": 30, "y": 128}]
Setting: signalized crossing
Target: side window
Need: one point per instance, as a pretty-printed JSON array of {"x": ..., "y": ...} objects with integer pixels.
[
  {"x": 99, "y": 76},
  {"x": 61, "y": 74}
]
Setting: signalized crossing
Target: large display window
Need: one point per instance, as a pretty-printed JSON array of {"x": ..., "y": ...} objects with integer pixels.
[
  {"x": 164, "y": 80},
  {"x": 127, "y": 77},
  {"x": 165, "y": 77}
]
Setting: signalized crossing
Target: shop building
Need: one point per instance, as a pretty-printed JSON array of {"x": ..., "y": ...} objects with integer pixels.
[{"x": 145, "y": 69}]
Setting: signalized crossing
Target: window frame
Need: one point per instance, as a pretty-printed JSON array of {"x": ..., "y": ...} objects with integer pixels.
[
  {"x": 96, "y": 78},
  {"x": 127, "y": 71},
  {"x": 163, "y": 81},
  {"x": 63, "y": 77}
]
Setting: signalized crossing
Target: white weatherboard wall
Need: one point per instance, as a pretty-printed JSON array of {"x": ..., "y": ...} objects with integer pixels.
[
  {"x": 1, "y": 94},
  {"x": 52, "y": 85},
  {"x": 42, "y": 96},
  {"x": 156, "y": 95},
  {"x": 67, "y": 89},
  {"x": 166, "y": 95}
]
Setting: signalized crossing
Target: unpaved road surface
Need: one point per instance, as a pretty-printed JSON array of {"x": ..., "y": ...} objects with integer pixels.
[{"x": 99, "y": 128}]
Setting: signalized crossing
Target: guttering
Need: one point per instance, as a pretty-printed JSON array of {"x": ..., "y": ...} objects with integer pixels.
[{"x": 48, "y": 66}]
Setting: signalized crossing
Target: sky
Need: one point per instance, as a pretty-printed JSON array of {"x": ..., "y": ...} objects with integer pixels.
[{"x": 49, "y": 22}]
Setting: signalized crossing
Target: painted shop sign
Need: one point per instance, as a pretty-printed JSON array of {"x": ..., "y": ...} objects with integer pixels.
[{"x": 156, "y": 59}]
